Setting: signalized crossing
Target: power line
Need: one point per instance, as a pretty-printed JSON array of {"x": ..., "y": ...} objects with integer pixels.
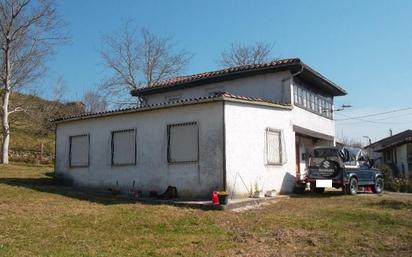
[
  {"x": 374, "y": 114},
  {"x": 378, "y": 121},
  {"x": 362, "y": 123}
]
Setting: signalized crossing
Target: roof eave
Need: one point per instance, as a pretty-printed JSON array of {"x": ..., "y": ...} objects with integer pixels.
[
  {"x": 170, "y": 105},
  {"x": 334, "y": 89}
]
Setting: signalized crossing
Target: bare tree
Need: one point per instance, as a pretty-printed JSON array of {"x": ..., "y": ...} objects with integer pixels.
[
  {"x": 29, "y": 31},
  {"x": 239, "y": 55},
  {"x": 94, "y": 102},
  {"x": 59, "y": 89},
  {"x": 136, "y": 58}
]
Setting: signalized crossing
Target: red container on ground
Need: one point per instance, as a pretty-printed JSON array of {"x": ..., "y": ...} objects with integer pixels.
[{"x": 215, "y": 198}]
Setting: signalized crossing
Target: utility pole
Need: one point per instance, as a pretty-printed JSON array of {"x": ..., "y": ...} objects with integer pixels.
[{"x": 370, "y": 140}]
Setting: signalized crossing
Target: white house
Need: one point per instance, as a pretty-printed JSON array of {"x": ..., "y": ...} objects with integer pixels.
[
  {"x": 396, "y": 151},
  {"x": 239, "y": 129}
]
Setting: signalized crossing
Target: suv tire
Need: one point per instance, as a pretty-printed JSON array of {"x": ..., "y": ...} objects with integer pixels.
[
  {"x": 378, "y": 187},
  {"x": 352, "y": 187},
  {"x": 319, "y": 190},
  {"x": 315, "y": 189},
  {"x": 299, "y": 189}
]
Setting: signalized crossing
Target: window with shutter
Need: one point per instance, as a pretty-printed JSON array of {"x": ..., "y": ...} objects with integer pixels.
[
  {"x": 124, "y": 147},
  {"x": 275, "y": 147},
  {"x": 183, "y": 142},
  {"x": 79, "y": 151}
]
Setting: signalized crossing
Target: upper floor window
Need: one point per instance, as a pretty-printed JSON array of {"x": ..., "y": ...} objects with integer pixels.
[{"x": 312, "y": 101}]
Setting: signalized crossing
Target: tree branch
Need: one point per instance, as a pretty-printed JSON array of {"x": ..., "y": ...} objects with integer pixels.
[{"x": 19, "y": 109}]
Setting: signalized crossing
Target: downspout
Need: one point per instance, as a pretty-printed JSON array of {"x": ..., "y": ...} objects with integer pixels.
[
  {"x": 224, "y": 146},
  {"x": 291, "y": 76}
]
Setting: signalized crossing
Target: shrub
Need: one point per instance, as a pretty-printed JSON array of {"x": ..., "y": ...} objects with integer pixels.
[{"x": 396, "y": 183}]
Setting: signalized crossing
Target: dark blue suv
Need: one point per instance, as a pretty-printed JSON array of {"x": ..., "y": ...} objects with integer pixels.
[{"x": 347, "y": 168}]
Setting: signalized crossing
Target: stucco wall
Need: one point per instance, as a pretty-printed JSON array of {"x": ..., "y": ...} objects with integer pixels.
[
  {"x": 402, "y": 159},
  {"x": 245, "y": 149},
  {"x": 312, "y": 121},
  {"x": 267, "y": 86},
  {"x": 152, "y": 171}
]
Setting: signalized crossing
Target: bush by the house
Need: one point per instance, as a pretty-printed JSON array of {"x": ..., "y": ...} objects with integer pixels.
[{"x": 396, "y": 183}]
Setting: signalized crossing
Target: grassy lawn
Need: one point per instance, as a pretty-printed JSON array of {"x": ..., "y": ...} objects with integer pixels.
[{"x": 38, "y": 218}]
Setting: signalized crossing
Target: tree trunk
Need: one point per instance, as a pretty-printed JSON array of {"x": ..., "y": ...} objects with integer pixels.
[
  {"x": 41, "y": 151},
  {"x": 6, "y": 128}
]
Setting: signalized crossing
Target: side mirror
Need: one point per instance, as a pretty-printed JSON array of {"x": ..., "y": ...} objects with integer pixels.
[
  {"x": 371, "y": 163},
  {"x": 345, "y": 155}
]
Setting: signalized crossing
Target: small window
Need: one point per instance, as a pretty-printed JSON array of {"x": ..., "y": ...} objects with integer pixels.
[
  {"x": 305, "y": 98},
  {"x": 79, "y": 151},
  {"x": 295, "y": 94},
  {"x": 174, "y": 98},
  {"x": 124, "y": 147},
  {"x": 183, "y": 142},
  {"x": 275, "y": 147},
  {"x": 214, "y": 91}
]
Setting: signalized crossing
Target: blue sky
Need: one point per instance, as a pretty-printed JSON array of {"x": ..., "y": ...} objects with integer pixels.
[{"x": 364, "y": 46}]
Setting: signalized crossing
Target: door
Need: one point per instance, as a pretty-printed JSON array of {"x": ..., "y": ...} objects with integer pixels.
[
  {"x": 302, "y": 159},
  {"x": 366, "y": 174}
]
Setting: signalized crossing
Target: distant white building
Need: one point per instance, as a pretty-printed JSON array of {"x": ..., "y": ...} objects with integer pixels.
[
  {"x": 395, "y": 151},
  {"x": 240, "y": 129}
]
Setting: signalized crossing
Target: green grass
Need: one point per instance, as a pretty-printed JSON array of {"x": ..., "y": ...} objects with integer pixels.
[{"x": 39, "y": 218}]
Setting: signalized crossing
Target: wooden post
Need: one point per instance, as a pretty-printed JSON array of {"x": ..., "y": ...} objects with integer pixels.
[{"x": 41, "y": 151}]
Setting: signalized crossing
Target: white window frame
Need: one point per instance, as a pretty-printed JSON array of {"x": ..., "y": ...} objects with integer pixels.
[
  {"x": 135, "y": 147},
  {"x": 282, "y": 147},
  {"x": 169, "y": 126},
  {"x": 88, "y": 151}
]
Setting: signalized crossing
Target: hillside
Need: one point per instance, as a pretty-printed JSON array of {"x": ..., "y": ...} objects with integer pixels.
[{"x": 31, "y": 129}]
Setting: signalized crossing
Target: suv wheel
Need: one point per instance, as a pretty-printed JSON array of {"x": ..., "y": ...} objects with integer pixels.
[
  {"x": 352, "y": 186},
  {"x": 319, "y": 190},
  {"x": 378, "y": 187},
  {"x": 299, "y": 188},
  {"x": 315, "y": 189}
]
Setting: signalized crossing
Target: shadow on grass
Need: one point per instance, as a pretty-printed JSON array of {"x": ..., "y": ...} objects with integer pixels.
[
  {"x": 50, "y": 185},
  {"x": 392, "y": 204},
  {"x": 327, "y": 194}
]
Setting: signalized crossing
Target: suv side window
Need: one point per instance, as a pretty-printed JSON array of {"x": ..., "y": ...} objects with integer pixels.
[{"x": 351, "y": 161}]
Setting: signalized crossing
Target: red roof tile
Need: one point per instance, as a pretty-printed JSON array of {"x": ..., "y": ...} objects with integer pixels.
[
  {"x": 207, "y": 77},
  {"x": 217, "y": 96}
]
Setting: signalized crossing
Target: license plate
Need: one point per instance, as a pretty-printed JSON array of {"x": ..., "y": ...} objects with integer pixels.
[{"x": 324, "y": 183}]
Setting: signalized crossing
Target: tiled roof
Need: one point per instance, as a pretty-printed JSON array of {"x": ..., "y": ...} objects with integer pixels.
[
  {"x": 217, "y": 96},
  {"x": 398, "y": 139},
  {"x": 206, "y": 77}
]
